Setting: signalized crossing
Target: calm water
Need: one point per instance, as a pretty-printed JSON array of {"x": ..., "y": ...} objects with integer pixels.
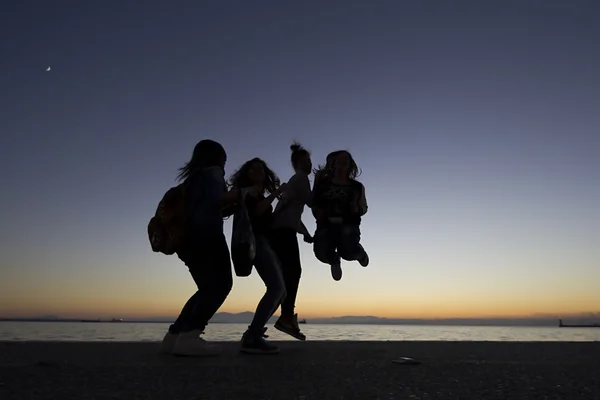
[{"x": 81, "y": 331}]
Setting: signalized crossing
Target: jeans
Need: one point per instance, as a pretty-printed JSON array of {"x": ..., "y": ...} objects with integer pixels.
[
  {"x": 209, "y": 263},
  {"x": 268, "y": 268},
  {"x": 333, "y": 241},
  {"x": 284, "y": 242}
]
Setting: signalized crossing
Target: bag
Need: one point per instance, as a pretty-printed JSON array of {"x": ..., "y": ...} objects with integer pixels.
[
  {"x": 243, "y": 242},
  {"x": 166, "y": 230}
]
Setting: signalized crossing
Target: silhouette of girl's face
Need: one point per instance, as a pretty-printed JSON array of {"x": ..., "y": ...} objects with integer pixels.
[
  {"x": 222, "y": 162},
  {"x": 304, "y": 163},
  {"x": 256, "y": 173},
  {"x": 342, "y": 163}
]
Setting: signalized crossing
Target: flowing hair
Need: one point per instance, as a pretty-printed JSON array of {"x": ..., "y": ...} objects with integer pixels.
[
  {"x": 240, "y": 179},
  {"x": 327, "y": 169},
  {"x": 207, "y": 153}
]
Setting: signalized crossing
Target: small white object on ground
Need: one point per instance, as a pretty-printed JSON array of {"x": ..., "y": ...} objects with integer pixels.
[{"x": 406, "y": 361}]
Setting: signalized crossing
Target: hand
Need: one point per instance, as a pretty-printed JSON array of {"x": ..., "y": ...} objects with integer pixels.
[
  {"x": 280, "y": 189},
  {"x": 308, "y": 239}
]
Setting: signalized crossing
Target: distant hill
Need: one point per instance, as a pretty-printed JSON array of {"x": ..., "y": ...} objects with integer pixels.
[
  {"x": 246, "y": 318},
  {"x": 370, "y": 320}
]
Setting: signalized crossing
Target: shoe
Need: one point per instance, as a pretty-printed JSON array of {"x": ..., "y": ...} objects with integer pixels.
[
  {"x": 364, "y": 259},
  {"x": 190, "y": 344},
  {"x": 336, "y": 271},
  {"x": 290, "y": 326},
  {"x": 256, "y": 344},
  {"x": 264, "y": 334},
  {"x": 168, "y": 343}
]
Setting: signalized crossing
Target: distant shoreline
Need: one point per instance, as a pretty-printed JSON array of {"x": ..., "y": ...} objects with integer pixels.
[
  {"x": 543, "y": 323},
  {"x": 246, "y": 318}
]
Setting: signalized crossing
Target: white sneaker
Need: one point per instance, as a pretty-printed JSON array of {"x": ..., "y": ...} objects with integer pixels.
[
  {"x": 190, "y": 344},
  {"x": 336, "y": 271},
  {"x": 364, "y": 259},
  {"x": 168, "y": 343}
]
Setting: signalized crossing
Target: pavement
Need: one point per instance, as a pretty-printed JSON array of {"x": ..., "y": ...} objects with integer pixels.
[{"x": 303, "y": 371}]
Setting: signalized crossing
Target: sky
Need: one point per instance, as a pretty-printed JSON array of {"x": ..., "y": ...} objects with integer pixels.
[{"x": 476, "y": 126}]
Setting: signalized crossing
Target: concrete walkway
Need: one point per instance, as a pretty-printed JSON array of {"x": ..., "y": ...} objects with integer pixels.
[{"x": 311, "y": 370}]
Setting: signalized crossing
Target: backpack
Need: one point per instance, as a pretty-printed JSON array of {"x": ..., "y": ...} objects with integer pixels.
[
  {"x": 243, "y": 242},
  {"x": 166, "y": 230}
]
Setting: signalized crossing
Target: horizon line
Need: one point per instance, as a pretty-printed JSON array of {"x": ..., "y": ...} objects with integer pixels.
[{"x": 160, "y": 317}]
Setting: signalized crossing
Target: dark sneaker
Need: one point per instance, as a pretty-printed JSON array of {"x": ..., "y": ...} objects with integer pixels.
[
  {"x": 253, "y": 344},
  {"x": 336, "y": 271},
  {"x": 290, "y": 326},
  {"x": 364, "y": 259},
  {"x": 264, "y": 334}
]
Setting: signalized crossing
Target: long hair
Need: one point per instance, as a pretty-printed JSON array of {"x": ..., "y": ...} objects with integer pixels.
[
  {"x": 328, "y": 168},
  {"x": 297, "y": 152},
  {"x": 207, "y": 153},
  {"x": 240, "y": 179}
]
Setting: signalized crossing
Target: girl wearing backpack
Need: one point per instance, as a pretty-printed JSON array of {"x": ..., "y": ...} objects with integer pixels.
[
  {"x": 338, "y": 204},
  {"x": 260, "y": 210},
  {"x": 203, "y": 250}
]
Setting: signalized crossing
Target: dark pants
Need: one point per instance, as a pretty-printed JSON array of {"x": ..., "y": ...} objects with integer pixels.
[
  {"x": 333, "y": 241},
  {"x": 210, "y": 266},
  {"x": 285, "y": 244},
  {"x": 267, "y": 265}
]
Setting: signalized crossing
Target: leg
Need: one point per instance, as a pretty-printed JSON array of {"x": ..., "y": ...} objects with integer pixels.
[
  {"x": 267, "y": 266},
  {"x": 210, "y": 266},
  {"x": 212, "y": 274},
  {"x": 285, "y": 245},
  {"x": 325, "y": 243},
  {"x": 349, "y": 247}
]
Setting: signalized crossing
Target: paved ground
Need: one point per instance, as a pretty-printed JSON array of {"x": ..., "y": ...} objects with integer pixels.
[{"x": 311, "y": 370}]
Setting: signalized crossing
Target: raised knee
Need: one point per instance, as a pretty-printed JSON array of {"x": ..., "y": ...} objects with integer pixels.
[
  {"x": 320, "y": 257},
  {"x": 348, "y": 253},
  {"x": 320, "y": 254}
]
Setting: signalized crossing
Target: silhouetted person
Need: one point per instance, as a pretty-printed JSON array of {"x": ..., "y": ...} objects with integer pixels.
[
  {"x": 204, "y": 250},
  {"x": 338, "y": 204},
  {"x": 287, "y": 223},
  {"x": 260, "y": 210}
]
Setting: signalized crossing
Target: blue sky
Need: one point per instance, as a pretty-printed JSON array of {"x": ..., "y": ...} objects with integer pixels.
[{"x": 475, "y": 125}]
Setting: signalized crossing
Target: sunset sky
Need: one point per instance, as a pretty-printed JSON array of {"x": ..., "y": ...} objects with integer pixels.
[{"x": 476, "y": 125}]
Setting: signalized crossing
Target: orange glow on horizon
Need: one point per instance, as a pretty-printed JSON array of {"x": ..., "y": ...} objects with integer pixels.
[{"x": 307, "y": 312}]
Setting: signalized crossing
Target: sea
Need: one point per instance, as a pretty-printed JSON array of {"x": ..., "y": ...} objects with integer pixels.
[{"x": 146, "y": 332}]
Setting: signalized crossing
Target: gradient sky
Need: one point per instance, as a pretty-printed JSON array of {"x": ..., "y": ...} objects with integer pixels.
[{"x": 476, "y": 125}]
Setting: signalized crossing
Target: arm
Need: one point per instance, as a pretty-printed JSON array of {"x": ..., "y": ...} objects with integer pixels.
[
  {"x": 216, "y": 188},
  {"x": 228, "y": 211},
  {"x": 227, "y": 199},
  {"x": 263, "y": 205},
  {"x": 302, "y": 229},
  {"x": 258, "y": 207},
  {"x": 296, "y": 189},
  {"x": 290, "y": 191},
  {"x": 362, "y": 202},
  {"x": 316, "y": 203}
]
